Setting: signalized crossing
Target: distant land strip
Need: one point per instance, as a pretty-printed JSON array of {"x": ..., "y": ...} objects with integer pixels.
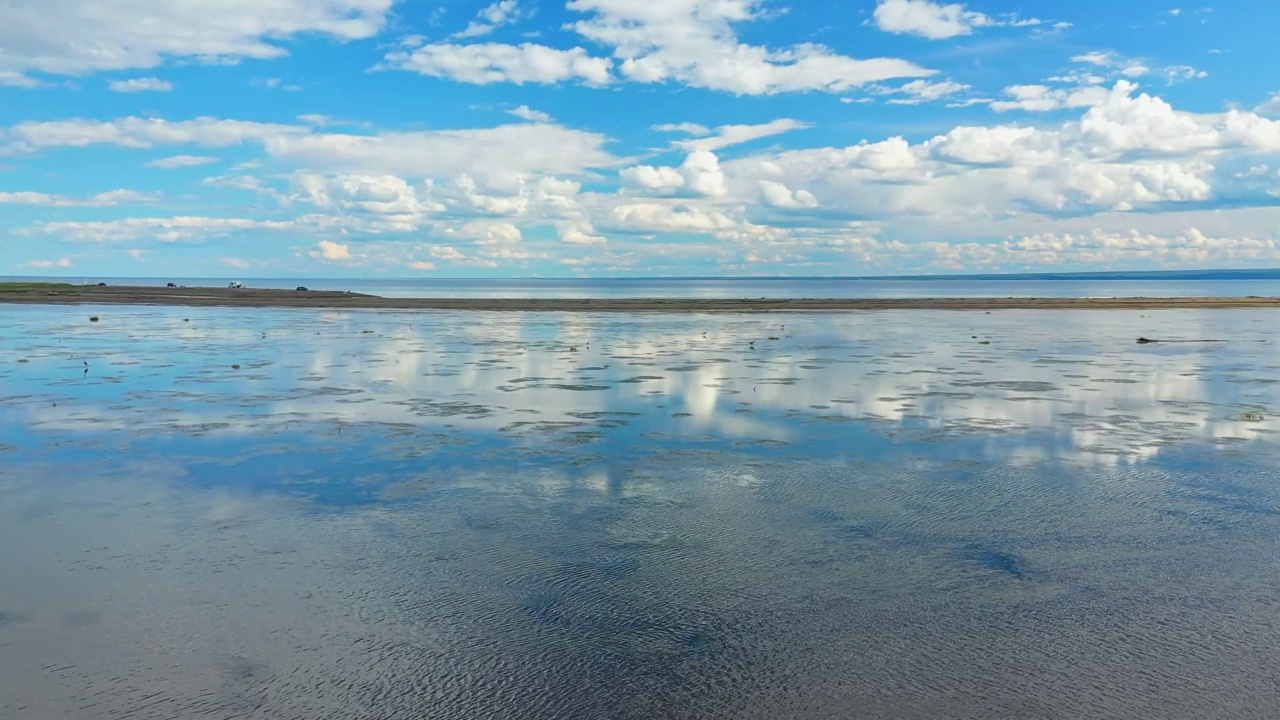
[{"x": 58, "y": 294}]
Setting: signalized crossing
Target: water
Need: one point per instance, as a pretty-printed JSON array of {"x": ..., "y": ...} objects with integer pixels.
[
  {"x": 445, "y": 515},
  {"x": 1134, "y": 286}
]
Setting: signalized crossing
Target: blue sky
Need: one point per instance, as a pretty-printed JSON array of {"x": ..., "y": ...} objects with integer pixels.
[{"x": 280, "y": 138}]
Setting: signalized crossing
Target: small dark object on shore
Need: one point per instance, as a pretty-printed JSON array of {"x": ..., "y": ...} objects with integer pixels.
[
  {"x": 301, "y": 288},
  {"x": 93, "y": 318},
  {"x": 102, "y": 284},
  {"x": 1145, "y": 341},
  {"x": 172, "y": 285}
]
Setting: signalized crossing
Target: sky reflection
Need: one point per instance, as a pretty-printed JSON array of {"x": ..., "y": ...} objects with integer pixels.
[{"x": 908, "y": 515}]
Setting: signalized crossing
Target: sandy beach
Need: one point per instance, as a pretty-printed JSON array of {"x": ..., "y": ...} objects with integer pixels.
[{"x": 248, "y": 297}]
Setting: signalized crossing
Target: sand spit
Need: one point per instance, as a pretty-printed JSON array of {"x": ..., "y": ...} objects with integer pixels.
[{"x": 248, "y": 297}]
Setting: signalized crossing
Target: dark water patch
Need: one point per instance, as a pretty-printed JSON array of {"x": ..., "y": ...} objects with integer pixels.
[
  {"x": 446, "y": 408},
  {"x": 1000, "y": 561},
  {"x": 1012, "y": 385}
]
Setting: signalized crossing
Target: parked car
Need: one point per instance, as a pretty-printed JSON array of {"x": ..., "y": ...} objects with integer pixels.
[{"x": 236, "y": 285}]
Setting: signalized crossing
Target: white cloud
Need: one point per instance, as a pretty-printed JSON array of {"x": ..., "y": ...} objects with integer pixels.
[
  {"x": 1128, "y": 152},
  {"x": 330, "y": 250},
  {"x": 927, "y": 19},
  {"x": 1042, "y": 98},
  {"x": 490, "y": 18},
  {"x": 1121, "y": 66},
  {"x": 491, "y": 232},
  {"x": 180, "y": 161},
  {"x": 136, "y": 132},
  {"x": 60, "y": 263},
  {"x": 921, "y": 91},
  {"x": 702, "y": 174},
  {"x": 1270, "y": 107},
  {"x": 654, "y": 215},
  {"x": 369, "y": 203},
  {"x": 692, "y": 42},
  {"x": 447, "y": 253},
  {"x": 1105, "y": 58},
  {"x": 524, "y": 111},
  {"x": 513, "y": 194},
  {"x": 699, "y": 174},
  {"x": 506, "y": 150},
  {"x": 72, "y": 37},
  {"x": 687, "y": 128},
  {"x": 727, "y": 135},
  {"x": 579, "y": 233},
  {"x": 775, "y": 194},
  {"x": 661, "y": 178},
  {"x": 105, "y": 199},
  {"x": 170, "y": 229},
  {"x": 485, "y": 63},
  {"x": 145, "y": 84}
]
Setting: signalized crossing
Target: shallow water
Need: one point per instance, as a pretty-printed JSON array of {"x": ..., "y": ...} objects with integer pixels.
[{"x": 913, "y": 514}]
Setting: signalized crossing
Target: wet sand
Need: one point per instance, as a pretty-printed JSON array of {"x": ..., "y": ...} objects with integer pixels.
[{"x": 249, "y": 297}]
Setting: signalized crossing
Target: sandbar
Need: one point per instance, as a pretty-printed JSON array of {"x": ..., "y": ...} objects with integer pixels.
[{"x": 55, "y": 294}]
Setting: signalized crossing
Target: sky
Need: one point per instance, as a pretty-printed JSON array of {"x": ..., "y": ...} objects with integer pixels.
[{"x": 604, "y": 138}]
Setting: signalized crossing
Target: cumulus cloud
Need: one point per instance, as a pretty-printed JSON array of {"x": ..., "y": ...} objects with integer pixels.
[
  {"x": 514, "y": 194},
  {"x": 330, "y": 250},
  {"x": 775, "y": 194},
  {"x": 661, "y": 178},
  {"x": 927, "y": 19},
  {"x": 485, "y": 63},
  {"x": 491, "y": 232},
  {"x": 579, "y": 232},
  {"x": 702, "y": 174},
  {"x": 447, "y": 253},
  {"x": 144, "y": 84},
  {"x": 71, "y": 37},
  {"x": 1270, "y": 107},
  {"x": 699, "y": 174},
  {"x": 692, "y": 42},
  {"x": 1042, "y": 98},
  {"x": 393, "y": 201}
]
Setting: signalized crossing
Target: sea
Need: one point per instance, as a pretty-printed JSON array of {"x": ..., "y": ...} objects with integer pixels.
[{"x": 271, "y": 513}]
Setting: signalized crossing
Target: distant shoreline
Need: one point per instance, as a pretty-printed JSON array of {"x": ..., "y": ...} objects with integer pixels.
[{"x": 58, "y": 294}]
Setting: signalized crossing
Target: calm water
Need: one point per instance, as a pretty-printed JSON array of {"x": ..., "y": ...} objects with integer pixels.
[
  {"x": 439, "y": 515},
  {"x": 757, "y": 287}
]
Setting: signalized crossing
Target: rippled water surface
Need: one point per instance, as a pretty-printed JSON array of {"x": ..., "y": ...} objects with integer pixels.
[{"x": 304, "y": 514}]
